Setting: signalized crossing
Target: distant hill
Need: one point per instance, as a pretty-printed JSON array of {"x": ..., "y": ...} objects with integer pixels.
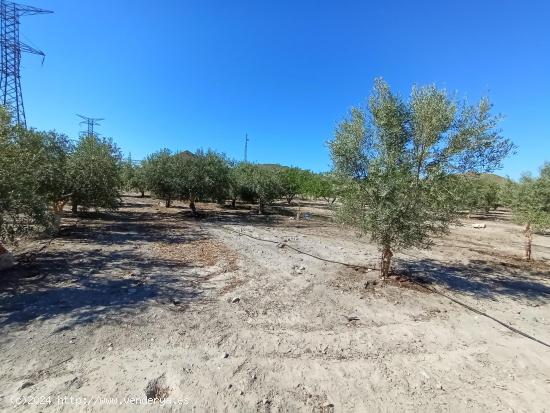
[
  {"x": 500, "y": 180},
  {"x": 185, "y": 154}
]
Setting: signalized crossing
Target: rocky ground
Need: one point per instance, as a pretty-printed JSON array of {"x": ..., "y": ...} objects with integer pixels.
[{"x": 151, "y": 302}]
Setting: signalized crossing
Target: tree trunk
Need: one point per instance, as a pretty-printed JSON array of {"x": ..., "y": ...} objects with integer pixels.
[
  {"x": 142, "y": 194},
  {"x": 75, "y": 207},
  {"x": 385, "y": 265},
  {"x": 233, "y": 203},
  {"x": 57, "y": 211},
  {"x": 289, "y": 199},
  {"x": 528, "y": 241},
  {"x": 168, "y": 202},
  {"x": 192, "y": 206},
  {"x": 261, "y": 207}
]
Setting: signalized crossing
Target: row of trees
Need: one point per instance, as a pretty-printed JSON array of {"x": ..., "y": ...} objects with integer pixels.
[
  {"x": 42, "y": 171},
  {"x": 210, "y": 176},
  {"x": 528, "y": 199}
]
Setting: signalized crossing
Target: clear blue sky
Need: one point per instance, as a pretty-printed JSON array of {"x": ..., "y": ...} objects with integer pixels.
[{"x": 198, "y": 73}]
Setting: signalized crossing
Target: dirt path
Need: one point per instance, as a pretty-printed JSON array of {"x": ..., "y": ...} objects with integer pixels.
[{"x": 228, "y": 323}]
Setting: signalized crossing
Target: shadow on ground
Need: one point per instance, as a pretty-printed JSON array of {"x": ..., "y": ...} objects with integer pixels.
[
  {"x": 96, "y": 270},
  {"x": 486, "y": 279}
]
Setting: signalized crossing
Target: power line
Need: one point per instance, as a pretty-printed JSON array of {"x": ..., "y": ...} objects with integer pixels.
[{"x": 10, "y": 59}]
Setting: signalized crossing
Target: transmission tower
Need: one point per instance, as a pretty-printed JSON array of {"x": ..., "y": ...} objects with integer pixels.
[
  {"x": 246, "y": 146},
  {"x": 90, "y": 124},
  {"x": 11, "y": 48}
]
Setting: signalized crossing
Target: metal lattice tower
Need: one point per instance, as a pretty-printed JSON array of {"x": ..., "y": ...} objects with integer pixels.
[
  {"x": 90, "y": 123},
  {"x": 246, "y": 147},
  {"x": 10, "y": 60}
]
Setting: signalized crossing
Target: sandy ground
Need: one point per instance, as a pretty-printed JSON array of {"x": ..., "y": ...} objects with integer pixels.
[{"x": 148, "y": 301}]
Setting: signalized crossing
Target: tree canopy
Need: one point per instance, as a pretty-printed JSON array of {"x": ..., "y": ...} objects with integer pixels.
[
  {"x": 400, "y": 159},
  {"x": 94, "y": 172},
  {"x": 161, "y": 175},
  {"x": 34, "y": 180}
]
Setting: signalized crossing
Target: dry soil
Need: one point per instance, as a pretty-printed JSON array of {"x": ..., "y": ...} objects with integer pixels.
[{"x": 152, "y": 302}]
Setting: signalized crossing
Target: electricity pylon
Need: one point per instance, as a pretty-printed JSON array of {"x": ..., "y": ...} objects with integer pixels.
[
  {"x": 246, "y": 147},
  {"x": 10, "y": 60},
  {"x": 90, "y": 123}
]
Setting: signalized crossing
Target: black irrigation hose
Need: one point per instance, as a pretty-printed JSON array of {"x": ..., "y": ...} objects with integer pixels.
[
  {"x": 475, "y": 310},
  {"x": 300, "y": 251},
  {"x": 431, "y": 289}
]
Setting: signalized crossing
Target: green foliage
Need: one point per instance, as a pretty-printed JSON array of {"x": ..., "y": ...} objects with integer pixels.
[
  {"x": 33, "y": 172},
  {"x": 237, "y": 183},
  {"x": 94, "y": 171},
  {"x": 161, "y": 175},
  {"x": 133, "y": 176},
  {"x": 215, "y": 175},
  {"x": 138, "y": 182},
  {"x": 293, "y": 182},
  {"x": 400, "y": 159},
  {"x": 127, "y": 173},
  {"x": 203, "y": 176},
  {"x": 480, "y": 193},
  {"x": 529, "y": 199},
  {"x": 261, "y": 183},
  {"x": 54, "y": 180},
  {"x": 326, "y": 185},
  {"x": 200, "y": 176}
]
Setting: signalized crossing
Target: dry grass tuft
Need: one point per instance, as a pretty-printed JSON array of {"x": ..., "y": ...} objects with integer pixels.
[{"x": 203, "y": 253}]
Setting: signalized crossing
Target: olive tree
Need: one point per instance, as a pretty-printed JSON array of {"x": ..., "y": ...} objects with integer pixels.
[
  {"x": 184, "y": 175},
  {"x": 203, "y": 175},
  {"x": 323, "y": 185},
  {"x": 138, "y": 181},
  {"x": 133, "y": 176},
  {"x": 400, "y": 160},
  {"x": 160, "y": 172},
  {"x": 490, "y": 195},
  {"x": 94, "y": 172},
  {"x": 215, "y": 174},
  {"x": 236, "y": 184},
  {"x": 23, "y": 206},
  {"x": 479, "y": 193},
  {"x": 266, "y": 185},
  {"x": 293, "y": 182},
  {"x": 529, "y": 200},
  {"x": 33, "y": 184},
  {"x": 260, "y": 183}
]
